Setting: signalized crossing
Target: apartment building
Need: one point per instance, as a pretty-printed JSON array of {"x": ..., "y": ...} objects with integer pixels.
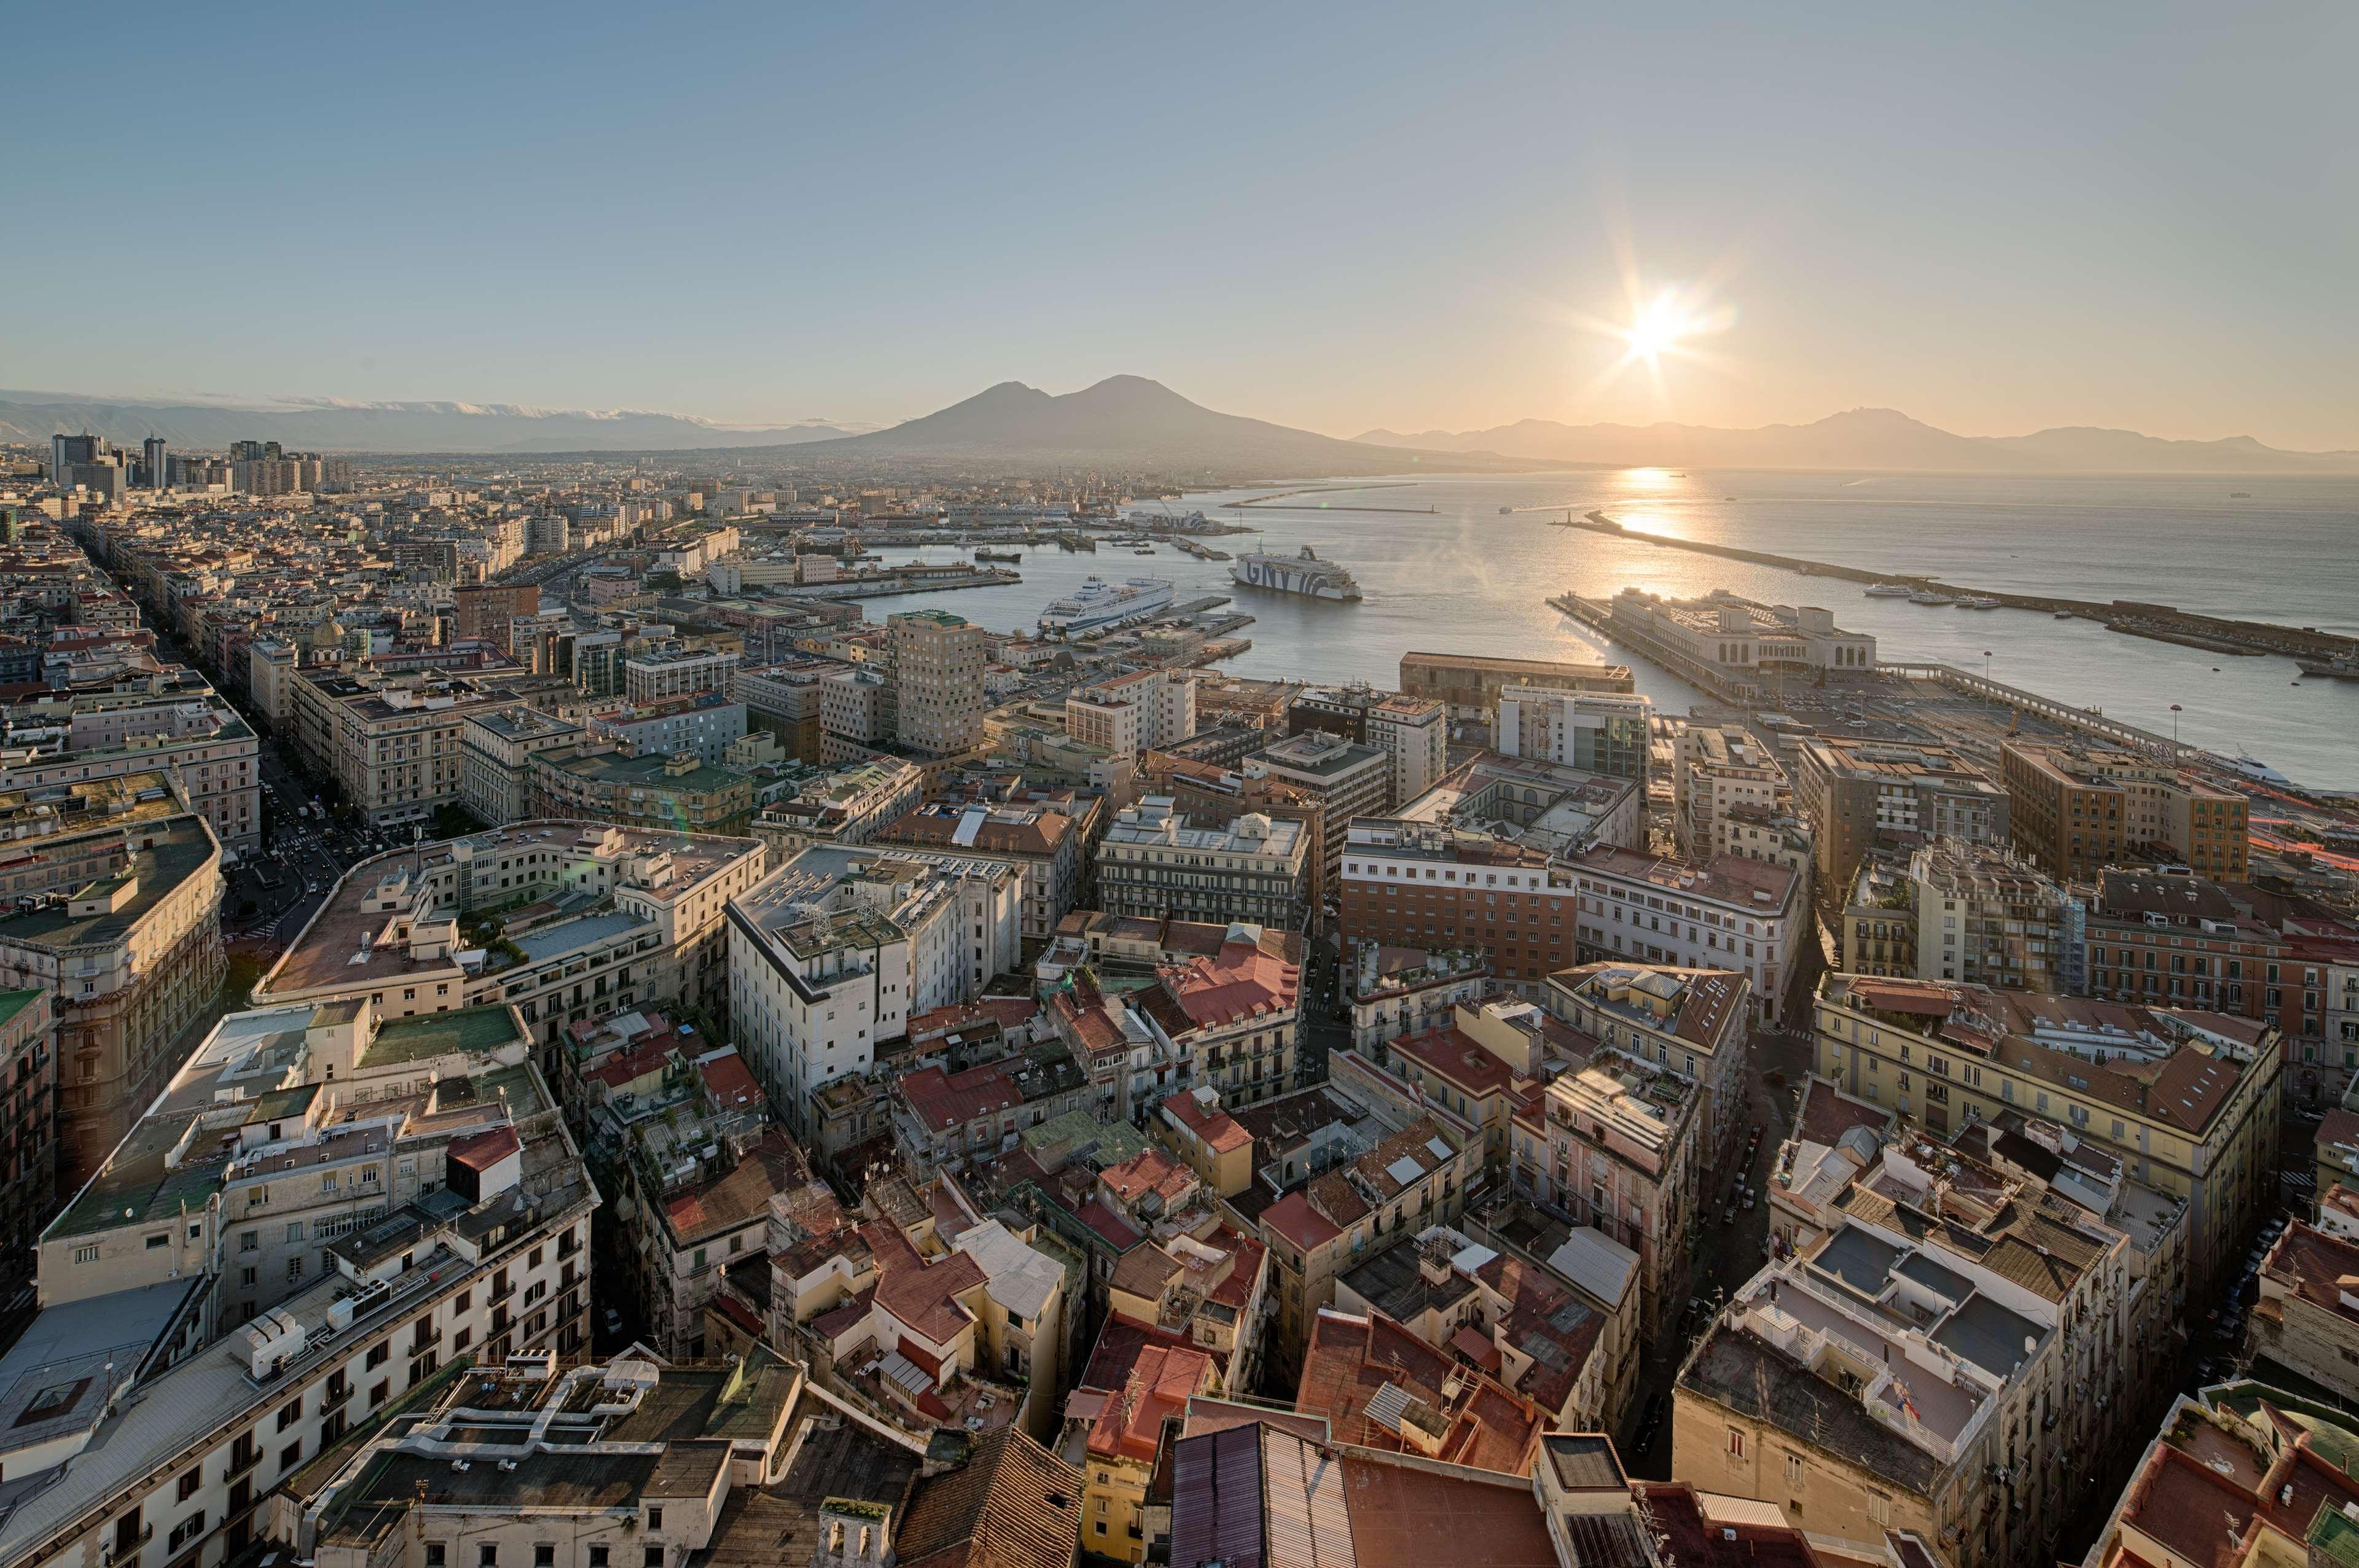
[
  {"x": 484, "y": 612},
  {"x": 833, "y": 953},
  {"x": 1987, "y": 917},
  {"x": 1392, "y": 991},
  {"x": 195, "y": 736},
  {"x": 1721, "y": 767},
  {"x": 1412, "y": 885},
  {"x": 2077, "y": 808},
  {"x": 2240, "y": 1472},
  {"x": 1879, "y": 919},
  {"x": 1560, "y": 1349},
  {"x": 1730, "y": 912},
  {"x": 601, "y": 782},
  {"x": 1143, "y": 710},
  {"x": 784, "y": 699},
  {"x": 1597, "y": 731},
  {"x": 663, "y": 673},
  {"x": 1237, "y": 1014},
  {"x": 2185, "y": 1099},
  {"x": 571, "y": 920},
  {"x": 29, "y": 1127},
  {"x": 1468, "y": 685},
  {"x": 1357, "y": 1198},
  {"x": 395, "y": 746},
  {"x": 856, "y": 713},
  {"x": 1694, "y": 1020},
  {"x": 1152, "y": 863},
  {"x": 1048, "y": 846},
  {"x": 1936, "y": 1365},
  {"x": 2304, "y": 1320},
  {"x": 1349, "y": 781},
  {"x": 2168, "y": 939},
  {"x": 937, "y": 684},
  {"x": 443, "y": 1214},
  {"x": 1860, "y": 795},
  {"x": 495, "y": 751},
  {"x": 118, "y": 891},
  {"x": 850, "y": 805},
  {"x": 1413, "y": 732},
  {"x": 703, "y": 726}
]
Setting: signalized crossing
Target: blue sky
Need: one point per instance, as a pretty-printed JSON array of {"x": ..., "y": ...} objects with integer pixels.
[{"x": 1995, "y": 218}]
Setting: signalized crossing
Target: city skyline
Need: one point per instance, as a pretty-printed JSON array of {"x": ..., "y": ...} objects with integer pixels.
[{"x": 1996, "y": 224}]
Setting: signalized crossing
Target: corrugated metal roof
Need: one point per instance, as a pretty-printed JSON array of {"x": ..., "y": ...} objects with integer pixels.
[{"x": 1307, "y": 1515}]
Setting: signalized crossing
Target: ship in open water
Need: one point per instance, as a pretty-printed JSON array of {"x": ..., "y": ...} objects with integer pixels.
[{"x": 1304, "y": 574}]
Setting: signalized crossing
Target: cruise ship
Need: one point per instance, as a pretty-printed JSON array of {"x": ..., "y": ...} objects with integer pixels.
[
  {"x": 1305, "y": 574},
  {"x": 1101, "y": 606}
]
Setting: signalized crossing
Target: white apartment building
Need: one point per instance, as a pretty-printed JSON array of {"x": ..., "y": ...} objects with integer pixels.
[
  {"x": 195, "y": 1351},
  {"x": 676, "y": 672},
  {"x": 1161, "y": 705},
  {"x": 834, "y": 951},
  {"x": 1728, "y": 913}
]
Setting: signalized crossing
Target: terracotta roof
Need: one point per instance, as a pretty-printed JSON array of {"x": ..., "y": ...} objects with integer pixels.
[
  {"x": 1152, "y": 1171},
  {"x": 1012, "y": 1505},
  {"x": 922, "y": 1295},
  {"x": 1147, "y": 1375},
  {"x": 1350, "y": 1359},
  {"x": 729, "y": 1082},
  {"x": 484, "y": 1150},
  {"x": 1215, "y": 1127},
  {"x": 1242, "y": 981}
]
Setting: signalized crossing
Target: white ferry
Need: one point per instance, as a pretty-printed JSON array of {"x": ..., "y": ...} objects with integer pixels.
[
  {"x": 1888, "y": 590},
  {"x": 1927, "y": 596},
  {"x": 1978, "y": 601},
  {"x": 1304, "y": 574},
  {"x": 1101, "y": 606}
]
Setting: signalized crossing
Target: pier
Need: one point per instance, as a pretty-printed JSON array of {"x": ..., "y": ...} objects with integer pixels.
[
  {"x": 885, "y": 585},
  {"x": 2163, "y": 623}
]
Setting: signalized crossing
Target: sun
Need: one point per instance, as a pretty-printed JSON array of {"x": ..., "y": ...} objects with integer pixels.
[{"x": 1660, "y": 325}]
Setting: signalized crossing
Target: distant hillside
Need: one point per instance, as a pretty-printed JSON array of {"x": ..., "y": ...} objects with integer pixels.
[
  {"x": 1873, "y": 438},
  {"x": 1129, "y": 422},
  {"x": 35, "y": 416}
]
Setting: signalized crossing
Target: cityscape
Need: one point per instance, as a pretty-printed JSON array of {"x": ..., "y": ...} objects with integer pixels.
[{"x": 1619, "y": 970}]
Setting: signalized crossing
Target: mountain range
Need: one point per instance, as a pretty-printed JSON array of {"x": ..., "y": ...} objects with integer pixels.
[
  {"x": 331, "y": 426},
  {"x": 1871, "y": 438},
  {"x": 1131, "y": 424}
]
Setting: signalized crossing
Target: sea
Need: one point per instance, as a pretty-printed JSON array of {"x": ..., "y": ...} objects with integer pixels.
[{"x": 1448, "y": 572}]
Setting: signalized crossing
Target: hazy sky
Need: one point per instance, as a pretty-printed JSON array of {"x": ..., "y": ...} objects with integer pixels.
[{"x": 1995, "y": 218}]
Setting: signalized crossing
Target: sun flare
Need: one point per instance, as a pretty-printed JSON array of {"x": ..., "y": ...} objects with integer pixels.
[{"x": 1661, "y": 324}]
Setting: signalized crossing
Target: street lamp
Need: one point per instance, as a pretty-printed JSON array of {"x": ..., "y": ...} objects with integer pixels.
[{"x": 2174, "y": 731}]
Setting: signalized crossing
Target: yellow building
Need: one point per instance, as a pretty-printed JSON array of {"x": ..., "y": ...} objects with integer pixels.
[{"x": 2186, "y": 1101}]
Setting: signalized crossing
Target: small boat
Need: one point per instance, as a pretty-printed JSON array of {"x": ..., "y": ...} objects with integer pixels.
[
  {"x": 1978, "y": 601},
  {"x": 2067, "y": 615},
  {"x": 1927, "y": 596},
  {"x": 2341, "y": 666},
  {"x": 1728, "y": 497},
  {"x": 2240, "y": 495},
  {"x": 1506, "y": 511},
  {"x": 1888, "y": 590}
]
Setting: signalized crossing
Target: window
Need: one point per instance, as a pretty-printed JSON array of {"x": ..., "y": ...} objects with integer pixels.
[
  {"x": 437, "y": 1556},
  {"x": 653, "y": 1558},
  {"x": 1794, "y": 1470},
  {"x": 597, "y": 1557},
  {"x": 655, "y": 1519},
  {"x": 487, "y": 1555},
  {"x": 1735, "y": 1443},
  {"x": 291, "y": 1455},
  {"x": 544, "y": 1555},
  {"x": 189, "y": 1483}
]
